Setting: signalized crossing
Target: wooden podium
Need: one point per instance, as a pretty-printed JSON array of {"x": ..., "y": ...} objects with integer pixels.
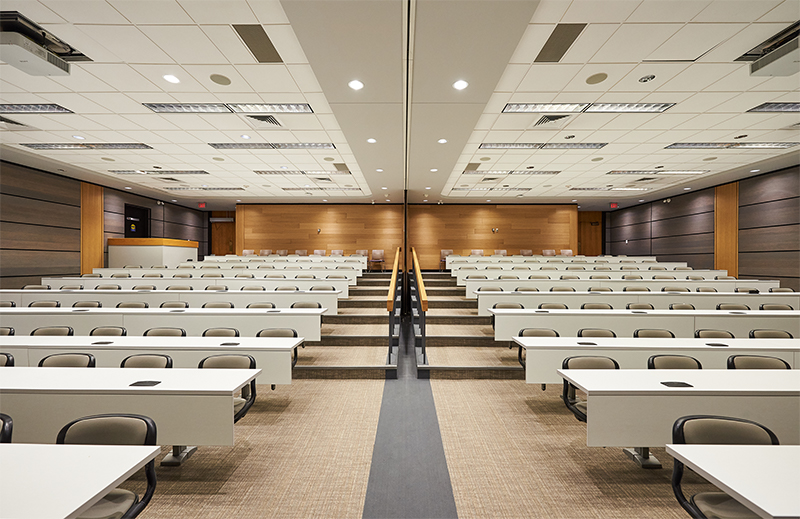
[{"x": 150, "y": 251}]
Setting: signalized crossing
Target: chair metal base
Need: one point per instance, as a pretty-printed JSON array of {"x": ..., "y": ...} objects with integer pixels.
[
  {"x": 642, "y": 457},
  {"x": 180, "y": 453}
]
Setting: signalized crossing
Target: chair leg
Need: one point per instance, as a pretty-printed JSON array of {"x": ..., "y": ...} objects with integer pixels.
[
  {"x": 642, "y": 457},
  {"x": 180, "y": 453}
]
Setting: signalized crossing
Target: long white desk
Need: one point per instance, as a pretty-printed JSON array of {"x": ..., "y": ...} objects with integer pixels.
[
  {"x": 682, "y": 323},
  {"x": 631, "y": 407},
  {"x": 63, "y": 481},
  {"x": 595, "y": 268},
  {"x": 461, "y": 260},
  {"x": 154, "y": 298},
  {"x": 233, "y": 285},
  {"x": 307, "y": 321},
  {"x": 544, "y": 355},
  {"x": 274, "y": 355},
  {"x": 764, "y": 478},
  {"x": 660, "y": 300},
  {"x": 324, "y": 260},
  {"x": 616, "y": 285},
  {"x": 189, "y": 406},
  {"x": 680, "y": 275},
  {"x": 228, "y": 273}
]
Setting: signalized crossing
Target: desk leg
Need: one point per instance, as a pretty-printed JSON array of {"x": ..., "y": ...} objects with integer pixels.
[
  {"x": 180, "y": 453},
  {"x": 642, "y": 457}
]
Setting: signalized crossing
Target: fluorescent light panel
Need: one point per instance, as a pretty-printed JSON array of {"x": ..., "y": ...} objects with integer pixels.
[
  {"x": 522, "y": 172},
  {"x": 188, "y": 108},
  {"x": 629, "y": 107},
  {"x": 776, "y": 107},
  {"x": 272, "y": 145},
  {"x": 490, "y": 189},
  {"x": 87, "y": 146},
  {"x": 574, "y": 145},
  {"x": 538, "y": 145},
  {"x": 655, "y": 172},
  {"x": 299, "y": 172},
  {"x": 157, "y": 172},
  {"x": 211, "y": 108},
  {"x": 544, "y": 108},
  {"x": 275, "y": 108},
  {"x": 724, "y": 145},
  {"x": 204, "y": 188},
  {"x": 564, "y": 108},
  {"x": 33, "y": 109}
]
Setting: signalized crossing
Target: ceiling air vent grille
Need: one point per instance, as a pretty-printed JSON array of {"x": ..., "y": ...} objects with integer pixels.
[
  {"x": 265, "y": 119},
  {"x": 551, "y": 120}
]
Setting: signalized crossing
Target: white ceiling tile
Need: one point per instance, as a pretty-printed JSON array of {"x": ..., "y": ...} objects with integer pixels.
[
  {"x": 153, "y": 12},
  {"x": 122, "y": 77},
  {"x": 511, "y": 78},
  {"x": 184, "y": 43},
  {"x": 113, "y": 121},
  {"x": 694, "y": 40},
  {"x": 126, "y": 42},
  {"x": 85, "y": 11},
  {"x": 286, "y": 43},
  {"x": 547, "y": 77},
  {"x": 153, "y": 121},
  {"x": 776, "y": 84},
  {"x": 118, "y": 103},
  {"x": 665, "y": 11},
  {"x": 228, "y": 42},
  {"x": 738, "y": 80},
  {"x": 532, "y": 42},
  {"x": 268, "y": 11},
  {"x": 788, "y": 11},
  {"x": 300, "y": 122},
  {"x": 304, "y": 78},
  {"x": 699, "y": 76},
  {"x": 318, "y": 103},
  {"x": 76, "y": 102},
  {"x": 590, "y": 121},
  {"x": 202, "y": 74},
  {"x": 81, "y": 80},
  {"x": 665, "y": 121},
  {"x": 269, "y": 78},
  {"x": 227, "y": 122},
  {"x": 747, "y": 122},
  {"x": 583, "y": 11},
  {"x": 591, "y": 38},
  {"x": 156, "y": 73},
  {"x": 663, "y": 72},
  {"x": 634, "y": 42},
  {"x": 744, "y": 40},
  {"x": 90, "y": 47},
  {"x": 701, "y": 102},
  {"x": 73, "y": 122},
  {"x": 744, "y": 102},
  {"x": 615, "y": 73},
  {"x": 735, "y": 10},
  {"x": 702, "y": 121},
  {"x": 212, "y": 11}
]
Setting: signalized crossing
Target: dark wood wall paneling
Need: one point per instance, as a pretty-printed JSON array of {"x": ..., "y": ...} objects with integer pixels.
[
  {"x": 166, "y": 221},
  {"x": 679, "y": 230},
  {"x": 40, "y": 225},
  {"x": 769, "y": 227}
]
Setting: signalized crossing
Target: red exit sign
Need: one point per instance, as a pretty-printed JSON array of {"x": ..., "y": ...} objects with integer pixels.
[
  {"x": 613, "y": 205},
  {"x": 201, "y": 205}
]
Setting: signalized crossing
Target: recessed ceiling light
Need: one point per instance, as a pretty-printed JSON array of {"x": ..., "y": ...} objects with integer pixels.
[
  {"x": 510, "y": 145},
  {"x": 460, "y": 84},
  {"x": 379, "y": 170},
  {"x": 724, "y": 145},
  {"x": 776, "y": 107},
  {"x": 424, "y": 200},
  {"x": 204, "y": 185},
  {"x": 442, "y": 141},
  {"x": 384, "y": 188},
  {"x": 659, "y": 167},
  {"x": 307, "y": 185},
  {"x": 356, "y": 84},
  {"x": 687, "y": 188},
  {"x": 220, "y": 79},
  {"x": 371, "y": 140},
  {"x": 33, "y": 109},
  {"x": 574, "y": 200},
  {"x": 245, "y": 136},
  {"x": 126, "y": 187},
  {"x": 171, "y": 78},
  {"x": 486, "y": 158},
  {"x": 646, "y": 79},
  {"x": 596, "y": 78},
  {"x": 434, "y": 170},
  {"x": 428, "y": 187},
  {"x": 629, "y": 107},
  {"x": 79, "y": 137},
  {"x": 754, "y": 170},
  {"x": 388, "y": 200},
  {"x": 544, "y": 108},
  {"x": 329, "y": 159},
  {"x": 488, "y": 200}
]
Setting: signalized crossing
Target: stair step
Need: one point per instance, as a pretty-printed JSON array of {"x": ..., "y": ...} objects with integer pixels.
[
  {"x": 369, "y": 291},
  {"x": 457, "y": 319},
  {"x": 351, "y": 340},
  {"x": 446, "y": 291},
  {"x": 439, "y": 283},
  {"x": 356, "y": 319},
  {"x": 374, "y": 283},
  {"x": 365, "y": 303},
  {"x": 461, "y": 340},
  {"x": 388, "y": 371},
  {"x": 465, "y": 303},
  {"x": 471, "y": 372}
]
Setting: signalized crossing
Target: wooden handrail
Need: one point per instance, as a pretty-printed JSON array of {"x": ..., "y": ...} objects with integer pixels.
[
  {"x": 423, "y": 296},
  {"x": 393, "y": 284}
]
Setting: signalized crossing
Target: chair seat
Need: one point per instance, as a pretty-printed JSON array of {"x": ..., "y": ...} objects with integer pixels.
[
  {"x": 112, "y": 506},
  {"x": 718, "y": 505},
  {"x": 238, "y": 403}
]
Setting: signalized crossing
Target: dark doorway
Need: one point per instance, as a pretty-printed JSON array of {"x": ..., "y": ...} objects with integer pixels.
[{"x": 137, "y": 221}]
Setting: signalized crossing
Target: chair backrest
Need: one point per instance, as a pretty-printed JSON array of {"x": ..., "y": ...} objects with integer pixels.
[
  {"x": 71, "y": 287},
  {"x": 713, "y": 334},
  {"x": 218, "y": 288},
  {"x": 165, "y": 331},
  {"x": 8, "y": 304},
  {"x": 570, "y": 276},
  {"x": 152, "y": 275},
  {"x": 209, "y": 266},
  {"x": 68, "y": 360},
  {"x": 287, "y": 288},
  {"x": 87, "y": 304},
  {"x": 732, "y": 306},
  {"x": 489, "y": 289},
  {"x": 670, "y": 288},
  {"x": 320, "y": 252},
  {"x": 305, "y": 276},
  {"x": 144, "y": 287},
  {"x": 6, "y": 428},
  {"x": 108, "y": 287},
  {"x": 775, "y": 306},
  {"x": 265, "y": 252},
  {"x": 36, "y": 287},
  {"x": 282, "y": 252},
  {"x": 212, "y": 275},
  {"x": 576, "y": 267},
  {"x": 261, "y": 304},
  {"x": 695, "y": 278},
  {"x": 520, "y": 267},
  {"x": 53, "y": 330},
  {"x": 476, "y": 252},
  {"x": 600, "y": 276},
  {"x": 158, "y": 266},
  {"x": 553, "y": 306},
  {"x": 508, "y": 306},
  {"x": 596, "y": 306},
  {"x": 706, "y": 289},
  {"x": 681, "y": 306},
  {"x": 582, "y": 362},
  {"x": 596, "y": 332},
  {"x": 248, "y": 252},
  {"x": 653, "y": 332},
  {"x": 561, "y": 289},
  {"x": 253, "y": 287},
  {"x": 657, "y": 267},
  {"x": 377, "y": 255},
  {"x": 635, "y": 288},
  {"x": 131, "y": 266},
  {"x": 770, "y": 334},
  {"x": 248, "y": 275},
  {"x": 500, "y": 252},
  {"x": 182, "y": 275},
  {"x": 218, "y": 304},
  {"x": 234, "y": 361},
  {"x": 146, "y": 360},
  {"x": 306, "y": 304},
  {"x": 174, "y": 304},
  {"x": 91, "y": 275},
  {"x": 781, "y": 289},
  {"x": 221, "y": 332},
  {"x": 337, "y": 252},
  {"x": 277, "y": 332},
  {"x": 538, "y": 276},
  {"x": 526, "y": 252},
  {"x": 362, "y": 252},
  {"x": 639, "y": 306},
  {"x": 476, "y": 276},
  {"x": 325, "y": 288},
  {"x": 746, "y": 290},
  {"x": 724, "y": 277},
  {"x": 265, "y": 267},
  {"x": 537, "y": 332},
  {"x": 185, "y": 266},
  {"x": 601, "y": 289},
  {"x": 631, "y": 276},
  {"x": 301, "y": 252},
  {"x": 548, "y": 252},
  {"x": 507, "y": 276},
  {"x": 756, "y": 362},
  {"x": 120, "y": 275},
  {"x": 6, "y": 330},
  {"x": 673, "y": 362},
  {"x": 116, "y": 331},
  {"x": 179, "y": 287},
  {"x": 566, "y": 252},
  {"x": 44, "y": 304},
  {"x": 526, "y": 289},
  {"x": 275, "y": 276}
]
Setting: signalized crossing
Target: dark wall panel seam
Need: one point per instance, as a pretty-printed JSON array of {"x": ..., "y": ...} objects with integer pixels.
[
  {"x": 42, "y": 225},
  {"x": 39, "y": 199},
  {"x": 768, "y": 226},
  {"x": 770, "y": 201}
]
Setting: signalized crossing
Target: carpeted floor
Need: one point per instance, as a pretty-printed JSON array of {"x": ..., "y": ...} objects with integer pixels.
[
  {"x": 342, "y": 356},
  {"x": 302, "y": 451},
  {"x": 514, "y": 451},
  {"x": 472, "y": 356}
]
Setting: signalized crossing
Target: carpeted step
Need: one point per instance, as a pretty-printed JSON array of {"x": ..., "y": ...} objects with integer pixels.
[
  {"x": 357, "y": 319},
  {"x": 455, "y": 319},
  {"x": 365, "y": 302}
]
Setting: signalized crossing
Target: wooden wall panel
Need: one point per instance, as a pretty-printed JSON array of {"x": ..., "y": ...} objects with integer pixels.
[
  {"x": 637, "y": 231},
  {"x": 778, "y": 185},
  {"x": 19, "y": 236},
  {"x": 590, "y": 233},
  {"x": 465, "y": 227},
  {"x": 630, "y": 216},
  {"x": 698, "y": 261},
  {"x": 629, "y": 248},
  {"x": 346, "y": 227},
  {"x": 683, "y": 225},
  {"x": 726, "y": 228},
  {"x": 38, "y": 185},
  {"x": 779, "y": 238},
  {"x": 38, "y": 212},
  {"x": 779, "y": 212},
  {"x": 690, "y": 203},
  {"x": 92, "y": 216}
]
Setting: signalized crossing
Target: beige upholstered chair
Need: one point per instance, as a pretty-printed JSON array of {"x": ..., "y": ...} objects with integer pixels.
[
  {"x": 120, "y": 275},
  {"x": 673, "y": 362},
  {"x": 44, "y": 304},
  {"x": 715, "y": 430},
  {"x": 635, "y": 288},
  {"x": 8, "y": 304},
  {"x": 706, "y": 289},
  {"x": 277, "y": 332},
  {"x": 526, "y": 289},
  {"x": 600, "y": 289},
  {"x": 265, "y": 252},
  {"x": 144, "y": 287},
  {"x": 241, "y": 404},
  {"x": 320, "y": 252},
  {"x": 775, "y": 307},
  {"x": 261, "y": 304},
  {"x": 596, "y": 332},
  {"x": 147, "y": 360},
  {"x": 377, "y": 258},
  {"x": 781, "y": 289},
  {"x": 560, "y": 288},
  {"x": 681, "y": 306},
  {"x": 732, "y": 306},
  {"x": 639, "y": 306},
  {"x": 323, "y": 288},
  {"x": 756, "y": 362},
  {"x": 152, "y": 275},
  {"x": 215, "y": 275},
  {"x": 174, "y": 304},
  {"x": 36, "y": 287},
  {"x": 306, "y": 304},
  {"x": 596, "y": 306},
  {"x": 118, "y": 429},
  {"x": 87, "y": 304},
  {"x": 713, "y": 334},
  {"x": 165, "y": 331},
  {"x": 337, "y": 252},
  {"x": 53, "y": 331},
  {"x": 287, "y": 288},
  {"x": 305, "y": 276},
  {"x": 217, "y": 288},
  {"x": 6, "y": 330},
  {"x": 568, "y": 394},
  {"x": 182, "y": 275},
  {"x": 245, "y": 275},
  {"x": 111, "y": 331},
  {"x": 548, "y": 252},
  {"x": 526, "y": 252},
  {"x": 221, "y": 332},
  {"x": 770, "y": 334},
  {"x": 217, "y": 304},
  {"x": 71, "y": 287},
  {"x": 553, "y": 306},
  {"x": 180, "y": 287},
  {"x": 68, "y": 360},
  {"x": 108, "y": 287},
  {"x": 248, "y": 252},
  {"x": 653, "y": 332},
  {"x": 253, "y": 287}
]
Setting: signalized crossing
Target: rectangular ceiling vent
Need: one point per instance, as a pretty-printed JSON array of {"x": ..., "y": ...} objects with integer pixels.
[
  {"x": 265, "y": 120},
  {"x": 255, "y": 38},
  {"x": 645, "y": 179},
  {"x": 168, "y": 179},
  {"x": 551, "y": 122},
  {"x": 158, "y": 172},
  {"x": 12, "y": 125},
  {"x": 323, "y": 179},
  {"x": 559, "y": 42},
  {"x": 490, "y": 179}
]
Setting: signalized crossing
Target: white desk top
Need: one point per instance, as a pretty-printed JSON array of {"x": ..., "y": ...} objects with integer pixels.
[
  {"x": 226, "y": 312},
  {"x": 74, "y": 477},
  {"x": 764, "y": 478},
  {"x": 655, "y": 344},
  {"x": 705, "y": 381},
  {"x": 154, "y": 343},
  {"x": 119, "y": 380},
  {"x": 795, "y": 314}
]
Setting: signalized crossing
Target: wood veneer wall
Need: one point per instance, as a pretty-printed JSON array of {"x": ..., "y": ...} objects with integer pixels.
[
  {"x": 462, "y": 228},
  {"x": 91, "y": 227},
  {"x": 223, "y": 234},
  {"x": 166, "y": 220},
  {"x": 40, "y": 225},
  {"x": 346, "y": 227},
  {"x": 726, "y": 228},
  {"x": 590, "y": 233},
  {"x": 769, "y": 227}
]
